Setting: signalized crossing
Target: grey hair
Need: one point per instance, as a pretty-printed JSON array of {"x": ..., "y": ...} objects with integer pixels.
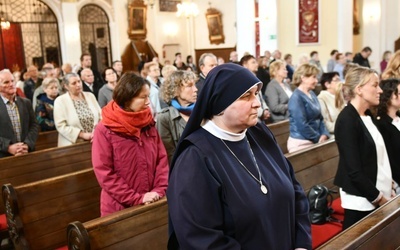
[
  {"x": 203, "y": 57},
  {"x": 65, "y": 80}
]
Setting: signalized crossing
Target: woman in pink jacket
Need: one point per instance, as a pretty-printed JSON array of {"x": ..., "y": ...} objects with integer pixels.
[{"x": 128, "y": 156}]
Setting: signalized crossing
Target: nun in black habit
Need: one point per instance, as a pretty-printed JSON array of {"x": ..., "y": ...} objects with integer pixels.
[{"x": 230, "y": 185}]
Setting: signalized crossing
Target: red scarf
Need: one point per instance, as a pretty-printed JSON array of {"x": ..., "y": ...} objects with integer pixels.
[{"x": 121, "y": 121}]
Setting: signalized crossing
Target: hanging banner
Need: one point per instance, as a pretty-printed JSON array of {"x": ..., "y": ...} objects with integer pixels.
[{"x": 308, "y": 20}]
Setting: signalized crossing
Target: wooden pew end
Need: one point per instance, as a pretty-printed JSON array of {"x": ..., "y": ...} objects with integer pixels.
[
  {"x": 14, "y": 223},
  {"x": 77, "y": 236}
]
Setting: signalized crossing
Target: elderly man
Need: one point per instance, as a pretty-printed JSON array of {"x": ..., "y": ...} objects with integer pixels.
[
  {"x": 88, "y": 82},
  {"x": 207, "y": 62},
  {"x": 18, "y": 126},
  {"x": 233, "y": 57},
  {"x": 86, "y": 63}
]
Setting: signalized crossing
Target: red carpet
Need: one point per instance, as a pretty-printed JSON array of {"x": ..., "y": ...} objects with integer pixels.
[
  {"x": 3, "y": 222},
  {"x": 322, "y": 233}
]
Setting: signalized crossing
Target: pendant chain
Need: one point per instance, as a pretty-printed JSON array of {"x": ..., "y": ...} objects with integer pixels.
[{"x": 248, "y": 171}]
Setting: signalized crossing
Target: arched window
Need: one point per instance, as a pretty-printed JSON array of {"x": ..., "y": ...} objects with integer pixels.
[
  {"x": 95, "y": 35},
  {"x": 32, "y": 36}
]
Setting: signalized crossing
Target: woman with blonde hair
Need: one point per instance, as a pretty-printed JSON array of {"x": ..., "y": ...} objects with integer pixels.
[
  {"x": 278, "y": 91},
  {"x": 180, "y": 92},
  {"x": 306, "y": 122},
  {"x": 393, "y": 68},
  {"x": 364, "y": 175}
]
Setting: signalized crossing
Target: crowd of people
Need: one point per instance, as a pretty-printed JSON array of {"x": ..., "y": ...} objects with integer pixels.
[{"x": 200, "y": 130}]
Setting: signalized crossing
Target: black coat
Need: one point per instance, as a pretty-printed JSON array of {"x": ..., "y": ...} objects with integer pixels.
[
  {"x": 391, "y": 136},
  {"x": 357, "y": 170}
]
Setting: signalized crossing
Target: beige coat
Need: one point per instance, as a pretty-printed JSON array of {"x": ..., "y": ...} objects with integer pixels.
[{"x": 67, "y": 121}]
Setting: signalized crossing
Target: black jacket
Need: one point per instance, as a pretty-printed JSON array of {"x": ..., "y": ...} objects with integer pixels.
[
  {"x": 357, "y": 170},
  {"x": 391, "y": 136},
  {"x": 360, "y": 60}
]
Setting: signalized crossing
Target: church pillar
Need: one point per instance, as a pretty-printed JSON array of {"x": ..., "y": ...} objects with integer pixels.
[
  {"x": 268, "y": 25},
  {"x": 344, "y": 26},
  {"x": 70, "y": 31},
  {"x": 245, "y": 26},
  {"x": 372, "y": 19}
]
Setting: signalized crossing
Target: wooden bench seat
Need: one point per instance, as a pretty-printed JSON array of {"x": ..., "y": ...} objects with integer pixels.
[
  {"x": 143, "y": 227},
  {"x": 379, "y": 230},
  {"x": 44, "y": 164},
  {"x": 120, "y": 230},
  {"x": 46, "y": 140},
  {"x": 39, "y": 212}
]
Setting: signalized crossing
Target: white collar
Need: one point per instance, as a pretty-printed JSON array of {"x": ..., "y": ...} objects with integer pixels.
[{"x": 218, "y": 132}]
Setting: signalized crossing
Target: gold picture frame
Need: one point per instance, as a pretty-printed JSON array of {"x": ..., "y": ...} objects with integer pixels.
[
  {"x": 137, "y": 21},
  {"x": 215, "y": 27}
]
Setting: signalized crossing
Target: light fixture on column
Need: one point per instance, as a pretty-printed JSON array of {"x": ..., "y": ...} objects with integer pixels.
[
  {"x": 5, "y": 25},
  {"x": 149, "y": 3},
  {"x": 187, "y": 9}
]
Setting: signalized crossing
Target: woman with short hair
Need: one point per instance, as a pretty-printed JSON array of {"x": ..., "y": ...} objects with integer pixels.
[
  {"x": 76, "y": 113},
  {"x": 128, "y": 156},
  {"x": 278, "y": 91},
  {"x": 305, "y": 120},
  {"x": 180, "y": 93}
]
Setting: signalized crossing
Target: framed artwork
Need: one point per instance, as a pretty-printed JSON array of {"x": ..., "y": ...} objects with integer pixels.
[
  {"x": 215, "y": 27},
  {"x": 137, "y": 21},
  {"x": 308, "y": 22},
  {"x": 169, "y": 5}
]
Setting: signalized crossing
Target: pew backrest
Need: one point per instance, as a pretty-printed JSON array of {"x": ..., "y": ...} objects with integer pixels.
[
  {"x": 316, "y": 165},
  {"x": 38, "y": 212},
  {"x": 44, "y": 164},
  {"x": 281, "y": 132},
  {"x": 142, "y": 227},
  {"x": 46, "y": 140},
  {"x": 378, "y": 230}
]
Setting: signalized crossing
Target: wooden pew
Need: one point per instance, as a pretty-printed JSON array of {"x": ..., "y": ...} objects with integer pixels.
[
  {"x": 281, "y": 132},
  {"x": 46, "y": 140},
  {"x": 43, "y": 164},
  {"x": 139, "y": 227},
  {"x": 38, "y": 212},
  {"x": 316, "y": 165},
  {"x": 379, "y": 230},
  {"x": 131, "y": 227}
]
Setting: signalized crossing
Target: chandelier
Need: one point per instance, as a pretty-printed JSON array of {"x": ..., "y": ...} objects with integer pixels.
[{"x": 187, "y": 9}]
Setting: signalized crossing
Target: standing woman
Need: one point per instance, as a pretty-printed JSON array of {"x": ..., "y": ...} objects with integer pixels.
[
  {"x": 388, "y": 122},
  {"x": 76, "y": 112},
  {"x": 331, "y": 102},
  {"x": 105, "y": 93},
  {"x": 363, "y": 174},
  {"x": 278, "y": 91},
  {"x": 128, "y": 156},
  {"x": 180, "y": 92},
  {"x": 229, "y": 180},
  {"x": 306, "y": 122}
]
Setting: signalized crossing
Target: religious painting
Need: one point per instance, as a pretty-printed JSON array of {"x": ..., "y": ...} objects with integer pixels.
[
  {"x": 215, "y": 28},
  {"x": 137, "y": 22},
  {"x": 169, "y": 5},
  {"x": 308, "y": 21}
]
